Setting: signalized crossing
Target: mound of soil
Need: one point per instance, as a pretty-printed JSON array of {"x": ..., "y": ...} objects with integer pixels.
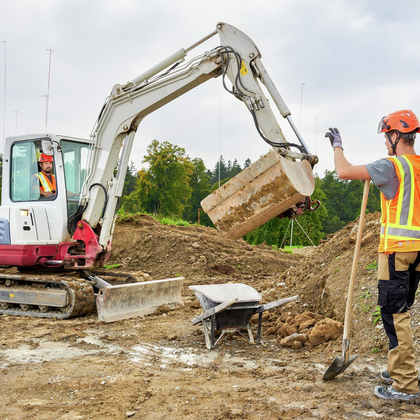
[
  {"x": 141, "y": 242},
  {"x": 319, "y": 275}
]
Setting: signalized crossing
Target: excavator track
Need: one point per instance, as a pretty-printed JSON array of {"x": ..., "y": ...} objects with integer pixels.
[{"x": 48, "y": 297}]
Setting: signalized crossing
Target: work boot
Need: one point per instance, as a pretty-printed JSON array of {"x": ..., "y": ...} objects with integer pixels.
[
  {"x": 385, "y": 376},
  {"x": 390, "y": 393}
]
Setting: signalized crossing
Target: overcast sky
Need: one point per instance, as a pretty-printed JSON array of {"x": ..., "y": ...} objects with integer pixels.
[{"x": 358, "y": 60}]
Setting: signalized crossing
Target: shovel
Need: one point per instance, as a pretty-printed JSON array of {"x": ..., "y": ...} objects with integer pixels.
[{"x": 340, "y": 364}]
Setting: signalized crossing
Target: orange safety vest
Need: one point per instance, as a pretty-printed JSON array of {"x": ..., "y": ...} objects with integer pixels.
[
  {"x": 400, "y": 220},
  {"x": 47, "y": 185}
]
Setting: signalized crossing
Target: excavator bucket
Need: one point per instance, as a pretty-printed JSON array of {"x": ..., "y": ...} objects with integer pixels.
[
  {"x": 116, "y": 302},
  {"x": 262, "y": 191}
]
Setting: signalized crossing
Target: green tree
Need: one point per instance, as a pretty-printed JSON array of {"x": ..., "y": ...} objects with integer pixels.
[
  {"x": 235, "y": 168},
  {"x": 130, "y": 180},
  {"x": 200, "y": 188},
  {"x": 164, "y": 188},
  {"x": 343, "y": 201},
  {"x": 224, "y": 171}
]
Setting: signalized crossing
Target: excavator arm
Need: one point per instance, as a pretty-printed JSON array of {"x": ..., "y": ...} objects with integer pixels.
[{"x": 237, "y": 59}]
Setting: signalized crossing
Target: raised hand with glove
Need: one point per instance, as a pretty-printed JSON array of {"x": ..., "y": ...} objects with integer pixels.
[{"x": 335, "y": 138}]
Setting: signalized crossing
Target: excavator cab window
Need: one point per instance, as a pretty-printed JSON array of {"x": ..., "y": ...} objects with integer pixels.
[
  {"x": 75, "y": 158},
  {"x": 24, "y": 179}
]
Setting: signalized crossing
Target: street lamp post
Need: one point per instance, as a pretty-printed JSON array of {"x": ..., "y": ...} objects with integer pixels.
[
  {"x": 48, "y": 92},
  {"x": 4, "y": 94}
]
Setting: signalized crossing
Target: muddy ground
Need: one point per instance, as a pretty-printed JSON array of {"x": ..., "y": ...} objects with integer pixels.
[{"x": 158, "y": 366}]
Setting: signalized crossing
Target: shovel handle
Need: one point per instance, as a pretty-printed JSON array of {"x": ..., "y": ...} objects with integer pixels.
[{"x": 349, "y": 305}]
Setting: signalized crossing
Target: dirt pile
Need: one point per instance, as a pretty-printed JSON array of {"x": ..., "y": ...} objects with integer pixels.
[
  {"x": 142, "y": 243},
  {"x": 319, "y": 275}
]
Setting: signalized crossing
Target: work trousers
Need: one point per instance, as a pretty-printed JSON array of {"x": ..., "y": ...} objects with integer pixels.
[{"x": 398, "y": 278}]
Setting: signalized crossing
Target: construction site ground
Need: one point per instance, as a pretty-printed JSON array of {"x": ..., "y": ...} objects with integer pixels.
[{"x": 158, "y": 366}]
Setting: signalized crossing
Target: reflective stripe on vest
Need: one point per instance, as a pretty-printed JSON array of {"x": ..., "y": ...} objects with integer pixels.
[
  {"x": 46, "y": 183},
  {"x": 401, "y": 228}
]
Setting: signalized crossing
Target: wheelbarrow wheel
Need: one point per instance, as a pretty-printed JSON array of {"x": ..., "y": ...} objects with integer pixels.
[{"x": 207, "y": 334}]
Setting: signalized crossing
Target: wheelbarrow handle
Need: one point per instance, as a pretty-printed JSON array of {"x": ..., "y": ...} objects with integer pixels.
[
  {"x": 213, "y": 311},
  {"x": 276, "y": 304}
]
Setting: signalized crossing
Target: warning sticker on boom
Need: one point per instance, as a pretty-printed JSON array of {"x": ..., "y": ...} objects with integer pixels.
[{"x": 243, "y": 70}]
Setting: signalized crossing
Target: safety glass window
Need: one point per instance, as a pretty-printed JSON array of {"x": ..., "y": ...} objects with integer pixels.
[
  {"x": 75, "y": 158},
  {"x": 32, "y": 173}
]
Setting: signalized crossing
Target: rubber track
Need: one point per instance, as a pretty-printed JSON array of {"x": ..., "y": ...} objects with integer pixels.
[{"x": 80, "y": 292}]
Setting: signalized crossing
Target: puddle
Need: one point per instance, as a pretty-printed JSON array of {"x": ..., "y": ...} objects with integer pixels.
[
  {"x": 143, "y": 353},
  {"x": 47, "y": 351},
  {"x": 148, "y": 353}
]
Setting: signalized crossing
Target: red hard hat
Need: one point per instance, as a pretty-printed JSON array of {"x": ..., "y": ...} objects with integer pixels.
[
  {"x": 45, "y": 158},
  {"x": 404, "y": 121}
]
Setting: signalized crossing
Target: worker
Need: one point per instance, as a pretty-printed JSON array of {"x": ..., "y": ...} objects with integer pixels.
[
  {"x": 47, "y": 185},
  {"x": 398, "y": 179}
]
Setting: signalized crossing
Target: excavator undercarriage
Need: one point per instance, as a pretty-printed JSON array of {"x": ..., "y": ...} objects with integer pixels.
[
  {"x": 49, "y": 296},
  {"x": 69, "y": 295}
]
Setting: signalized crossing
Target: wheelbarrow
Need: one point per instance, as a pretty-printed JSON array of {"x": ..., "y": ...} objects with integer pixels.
[{"x": 230, "y": 307}]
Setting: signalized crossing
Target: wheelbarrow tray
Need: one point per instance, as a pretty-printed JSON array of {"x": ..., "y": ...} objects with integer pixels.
[
  {"x": 238, "y": 314},
  {"x": 231, "y": 307}
]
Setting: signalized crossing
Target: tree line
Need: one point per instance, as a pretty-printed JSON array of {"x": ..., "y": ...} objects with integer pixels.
[{"x": 174, "y": 185}]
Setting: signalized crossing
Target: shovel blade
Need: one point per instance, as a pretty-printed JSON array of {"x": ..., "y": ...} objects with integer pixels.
[
  {"x": 338, "y": 366},
  {"x": 124, "y": 301}
]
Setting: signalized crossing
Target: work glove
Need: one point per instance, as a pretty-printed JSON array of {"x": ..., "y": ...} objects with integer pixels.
[{"x": 335, "y": 138}]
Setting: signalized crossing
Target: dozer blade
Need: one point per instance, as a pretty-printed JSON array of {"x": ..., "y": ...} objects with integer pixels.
[
  {"x": 136, "y": 299},
  {"x": 264, "y": 190}
]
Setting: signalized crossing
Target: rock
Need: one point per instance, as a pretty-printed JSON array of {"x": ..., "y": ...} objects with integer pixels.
[
  {"x": 304, "y": 320},
  {"x": 173, "y": 337},
  {"x": 353, "y": 234},
  {"x": 345, "y": 244},
  {"x": 297, "y": 345},
  {"x": 287, "y": 329},
  {"x": 368, "y": 239},
  {"x": 325, "y": 330},
  {"x": 294, "y": 338}
]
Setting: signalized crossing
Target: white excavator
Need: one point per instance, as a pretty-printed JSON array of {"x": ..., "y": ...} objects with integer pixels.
[{"x": 51, "y": 244}]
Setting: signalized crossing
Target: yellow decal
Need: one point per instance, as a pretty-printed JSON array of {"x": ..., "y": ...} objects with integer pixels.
[
  {"x": 11, "y": 295},
  {"x": 243, "y": 70}
]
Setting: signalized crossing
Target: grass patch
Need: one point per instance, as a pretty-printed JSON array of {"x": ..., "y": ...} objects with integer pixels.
[
  {"x": 170, "y": 221},
  {"x": 165, "y": 220},
  {"x": 112, "y": 266},
  {"x": 372, "y": 266},
  {"x": 376, "y": 315}
]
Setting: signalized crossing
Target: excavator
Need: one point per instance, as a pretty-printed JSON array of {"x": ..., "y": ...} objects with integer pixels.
[{"x": 52, "y": 246}]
